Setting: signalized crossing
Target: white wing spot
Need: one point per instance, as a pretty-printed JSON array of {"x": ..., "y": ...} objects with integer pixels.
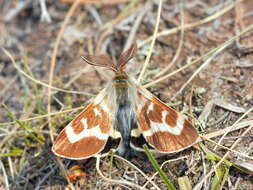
[
  {"x": 97, "y": 112},
  {"x": 150, "y": 107},
  {"x": 104, "y": 107},
  {"x": 84, "y": 122},
  {"x": 164, "y": 127},
  {"x": 141, "y": 101},
  {"x": 91, "y": 132}
]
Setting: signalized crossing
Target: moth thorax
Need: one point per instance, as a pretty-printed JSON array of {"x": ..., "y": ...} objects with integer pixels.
[
  {"x": 122, "y": 94},
  {"x": 121, "y": 86}
]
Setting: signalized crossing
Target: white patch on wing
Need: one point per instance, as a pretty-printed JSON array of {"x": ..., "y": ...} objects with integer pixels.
[
  {"x": 104, "y": 107},
  {"x": 135, "y": 132},
  {"x": 150, "y": 107},
  {"x": 140, "y": 102},
  {"x": 97, "y": 112},
  {"x": 84, "y": 122},
  {"x": 164, "y": 127},
  {"x": 114, "y": 133},
  {"x": 94, "y": 131}
]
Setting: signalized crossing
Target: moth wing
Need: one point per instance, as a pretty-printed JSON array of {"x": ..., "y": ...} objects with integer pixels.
[
  {"x": 98, "y": 60},
  {"x": 127, "y": 55},
  {"x": 87, "y": 134},
  {"x": 162, "y": 127}
]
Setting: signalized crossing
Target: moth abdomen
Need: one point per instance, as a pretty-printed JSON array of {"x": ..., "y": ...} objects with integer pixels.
[{"x": 125, "y": 121}]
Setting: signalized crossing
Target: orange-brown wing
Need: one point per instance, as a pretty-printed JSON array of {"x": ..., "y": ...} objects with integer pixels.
[
  {"x": 164, "y": 129},
  {"x": 87, "y": 134}
]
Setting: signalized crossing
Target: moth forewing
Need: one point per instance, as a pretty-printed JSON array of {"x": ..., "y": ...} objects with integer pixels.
[
  {"x": 163, "y": 128},
  {"x": 86, "y": 135}
]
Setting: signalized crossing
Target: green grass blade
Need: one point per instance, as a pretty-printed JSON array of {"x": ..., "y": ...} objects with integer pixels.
[
  {"x": 220, "y": 177},
  {"x": 221, "y": 172},
  {"x": 155, "y": 164},
  {"x": 13, "y": 152},
  {"x": 27, "y": 128}
]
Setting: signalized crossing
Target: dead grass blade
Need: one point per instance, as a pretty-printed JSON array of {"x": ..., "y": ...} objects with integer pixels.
[
  {"x": 53, "y": 61},
  {"x": 152, "y": 42},
  {"x": 38, "y": 81},
  {"x": 113, "y": 181},
  {"x": 184, "y": 183},
  {"x": 221, "y": 103},
  {"x": 46, "y": 115},
  {"x": 149, "y": 180},
  {"x": 51, "y": 74},
  {"x": 131, "y": 37},
  {"x": 198, "y": 70},
  {"x": 180, "y": 45},
  {"x": 228, "y": 129},
  {"x": 229, "y": 149},
  {"x": 192, "y": 25},
  {"x": 108, "y": 27},
  {"x": 197, "y": 187},
  {"x": 223, "y": 169},
  {"x": 220, "y": 47},
  {"x": 228, "y": 106},
  {"x": 4, "y": 174}
]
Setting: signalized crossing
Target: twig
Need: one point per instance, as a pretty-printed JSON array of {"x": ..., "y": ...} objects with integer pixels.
[
  {"x": 45, "y": 16},
  {"x": 152, "y": 42}
]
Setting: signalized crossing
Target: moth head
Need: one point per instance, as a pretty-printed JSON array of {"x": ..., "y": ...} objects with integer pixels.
[{"x": 105, "y": 61}]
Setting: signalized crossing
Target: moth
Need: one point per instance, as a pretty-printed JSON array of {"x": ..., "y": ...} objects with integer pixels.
[{"x": 123, "y": 116}]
